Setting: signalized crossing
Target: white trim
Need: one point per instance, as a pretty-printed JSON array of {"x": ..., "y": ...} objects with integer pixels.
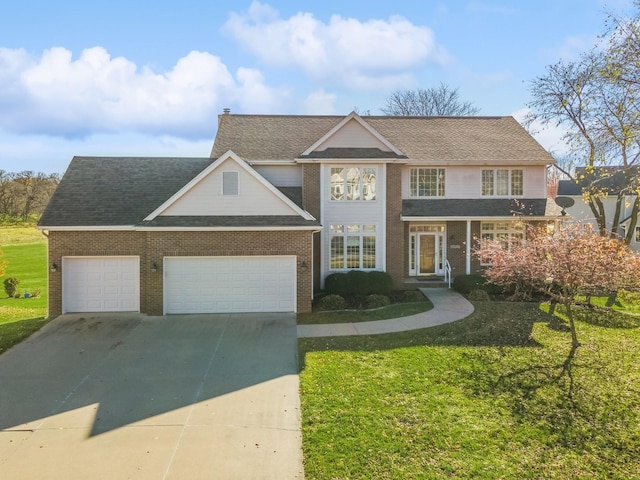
[
  {"x": 467, "y": 258},
  {"x": 357, "y": 160},
  {"x": 365, "y": 125},
  {"x": 180, "y": 229},
  {"x": 313, "y": 228},
  {"x": 479, "y": 219},
  {"x": 87, "y": 228},
  {"x": 228, "y": 155},
  {"x": 383, "y": 233}
]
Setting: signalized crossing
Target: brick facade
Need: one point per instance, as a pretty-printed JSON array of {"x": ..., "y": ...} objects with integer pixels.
[
  {"x": 311, "y": 203},
  {"x": 396, "y": 230},
  {"x": 152, "y": 247}
]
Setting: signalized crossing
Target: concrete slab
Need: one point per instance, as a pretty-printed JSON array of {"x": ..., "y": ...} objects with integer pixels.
[{"x": 129, "y": 396}]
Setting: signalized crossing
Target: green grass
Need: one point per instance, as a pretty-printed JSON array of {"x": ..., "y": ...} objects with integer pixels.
[
  {"x": 19, "y": 234},
  {"x": 480, "y": 398},
  {"x": 348, "y": 316},
  {"x": 20, "y": 317}
]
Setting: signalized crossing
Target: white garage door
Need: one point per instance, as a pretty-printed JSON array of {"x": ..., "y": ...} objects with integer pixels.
[
  {"x": 229, "y": 284},
  {"x": 100, "y": 284}
]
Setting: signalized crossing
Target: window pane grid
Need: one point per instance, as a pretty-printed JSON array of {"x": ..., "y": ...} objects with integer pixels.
[
  {"x": 507, "y": 233},
  {"x": 427, "y": 182},
  {"x": 353, "y": 183},
  {"x": 352, "y": 246},
  {"x": 502, "y": 182}
]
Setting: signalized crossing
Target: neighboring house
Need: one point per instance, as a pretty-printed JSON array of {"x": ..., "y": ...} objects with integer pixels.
[
  {"x": 283, "y": 202},
  {"x": 610, "y": 180}
]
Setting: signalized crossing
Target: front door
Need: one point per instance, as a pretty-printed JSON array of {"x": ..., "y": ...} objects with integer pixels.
[{"x": 428, "y": 254}]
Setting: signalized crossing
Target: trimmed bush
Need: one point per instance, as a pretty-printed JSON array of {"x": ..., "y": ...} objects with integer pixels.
[
  {"x": 338, "y": 284},
  {"x": 377, "y": 301},
  {"x": 479, "y": 295},
  {"x": 380, "y": 282},
  {"x": 331, "y": 302},
  {"x": 465, "y": 283},
  {"x": 10, "y": 286},
  {"x": 410, "y": 296},
  {"x": 359, "y": 282}
]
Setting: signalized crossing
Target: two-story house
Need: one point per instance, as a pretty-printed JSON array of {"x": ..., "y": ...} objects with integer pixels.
[{"x": 282, "y": 202}]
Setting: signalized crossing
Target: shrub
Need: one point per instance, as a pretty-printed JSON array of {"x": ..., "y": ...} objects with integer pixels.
[
  {"x": 338, "y": 284},
  {"x": 413, "y": 296},
  {"x": 380, "y": 282},
  {"x": 331, "y": 302},
  {"x": 10, "y": 286},
  {"x": 465, "y": 283},
  {"x": 35, "y": 293},
  {"x": 479, "y": 295},
  {"x": 359, "y": 282},
  {"x": 377, "y": 301}
]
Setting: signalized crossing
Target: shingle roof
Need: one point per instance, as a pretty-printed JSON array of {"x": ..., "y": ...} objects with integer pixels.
[
  {"x": 484, "y": 207},
  {"x": 441, "y": 140},
  {"x": 107, "y": 191},
  {"x": 611, "y": 179}
]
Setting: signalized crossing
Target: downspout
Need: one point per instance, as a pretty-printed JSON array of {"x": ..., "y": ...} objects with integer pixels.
[{"x": 468, "y": 249}]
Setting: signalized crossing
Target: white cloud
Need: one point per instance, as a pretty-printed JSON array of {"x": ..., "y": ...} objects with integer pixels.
[
  {"x": 59, "y": 95},
  {"x": 375, "y": 54},
  {"x": 319, "y": 102}
]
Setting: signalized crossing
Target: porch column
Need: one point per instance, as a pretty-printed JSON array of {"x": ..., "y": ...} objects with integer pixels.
[{"x": 468, "y": 250}]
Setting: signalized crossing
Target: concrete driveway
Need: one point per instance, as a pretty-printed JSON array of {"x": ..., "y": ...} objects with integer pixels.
[{"x": 135, "y": 397}]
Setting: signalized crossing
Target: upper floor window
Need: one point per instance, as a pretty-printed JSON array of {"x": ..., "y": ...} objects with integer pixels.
[
  {"x": 502, "y": 182},
  {"x": 353, "y": 183},
  {"x": 230, "y": 183},
  {"x": 427, "y": 182}
]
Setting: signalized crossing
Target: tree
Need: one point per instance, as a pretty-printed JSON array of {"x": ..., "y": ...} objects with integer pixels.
[
  {"x": 25, "y": 193},
  {"x": 434, "y": 101},
  {"x": 595, "y": 99},
  {"x": 573, "y": 261}
]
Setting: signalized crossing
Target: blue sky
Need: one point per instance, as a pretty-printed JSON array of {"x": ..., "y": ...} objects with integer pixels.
[{"x": 149, "y": 78}]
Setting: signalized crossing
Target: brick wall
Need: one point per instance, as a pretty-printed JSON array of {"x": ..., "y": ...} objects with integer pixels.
[
  {"x": 311, "y": 203},
  {"x": 151, "y": 247},
  {"x": 397, "y": 255}
]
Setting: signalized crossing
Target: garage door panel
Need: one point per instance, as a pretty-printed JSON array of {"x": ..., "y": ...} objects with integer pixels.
[
  {"x": 229, "y": 284},
  {"x": 101, "y": 284}
]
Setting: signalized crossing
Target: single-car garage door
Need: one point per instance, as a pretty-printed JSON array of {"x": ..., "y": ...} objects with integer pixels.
[
  {"x": 229, "y": 284},
  {"x": 100, "y": 284}
]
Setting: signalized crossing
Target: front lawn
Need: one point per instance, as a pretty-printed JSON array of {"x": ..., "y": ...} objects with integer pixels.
[
  {"x": 20, "y": 317},
  {"x": 395, "y": 310},
  {"x": 484, "y": 397}
]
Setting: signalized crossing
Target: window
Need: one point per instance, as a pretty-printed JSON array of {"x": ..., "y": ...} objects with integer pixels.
[
  {"x": 353, "y": 183},
  {"x": 229, "y": 183},
  {"x": 507, "y": 233},
  {"x": 502, "y": 183},
  {"x": 637, "y": 236},
  {"x": 353, "y": 246},
  {"x": 427, "y": 182}
]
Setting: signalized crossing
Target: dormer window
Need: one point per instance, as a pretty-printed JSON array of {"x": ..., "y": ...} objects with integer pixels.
[{"x": 230, "y": 183}]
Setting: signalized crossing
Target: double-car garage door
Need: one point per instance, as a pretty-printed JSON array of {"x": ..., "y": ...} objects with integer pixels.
[{"x": 190, "y": 284}]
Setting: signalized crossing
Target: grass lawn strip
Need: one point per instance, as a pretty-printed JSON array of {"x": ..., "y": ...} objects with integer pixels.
[
  {"x": 396, "y": 310},
  {"x": 478, "y": 398}
]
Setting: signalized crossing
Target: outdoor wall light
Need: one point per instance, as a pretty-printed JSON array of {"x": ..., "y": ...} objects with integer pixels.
[
  {"x": 303, "y": 266},
  {"x": 54, "y": 267},
  {"x": 154, "y": 267}
]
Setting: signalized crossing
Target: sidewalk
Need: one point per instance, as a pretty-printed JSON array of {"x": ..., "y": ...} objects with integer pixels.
[{"x": 448, "y": 306}]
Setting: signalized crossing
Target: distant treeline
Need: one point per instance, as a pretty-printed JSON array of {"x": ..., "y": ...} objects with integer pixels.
[{"x": 24, "y": 194}]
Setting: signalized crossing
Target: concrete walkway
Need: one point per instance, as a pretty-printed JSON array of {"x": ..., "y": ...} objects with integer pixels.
[{"x": 448, "y": 306}]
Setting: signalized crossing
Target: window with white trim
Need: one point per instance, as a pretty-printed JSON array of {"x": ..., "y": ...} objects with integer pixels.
[
  {"x": 427, "y": 182},
  {"x": 502, "y": 183},
  {"x": 352, "y": 246},
  {"x": 353, "y": 183},
  {"x": 230, "y": 183},
  {"x": 507, "y": 233},
  {"x": 637, "y": 235}
]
